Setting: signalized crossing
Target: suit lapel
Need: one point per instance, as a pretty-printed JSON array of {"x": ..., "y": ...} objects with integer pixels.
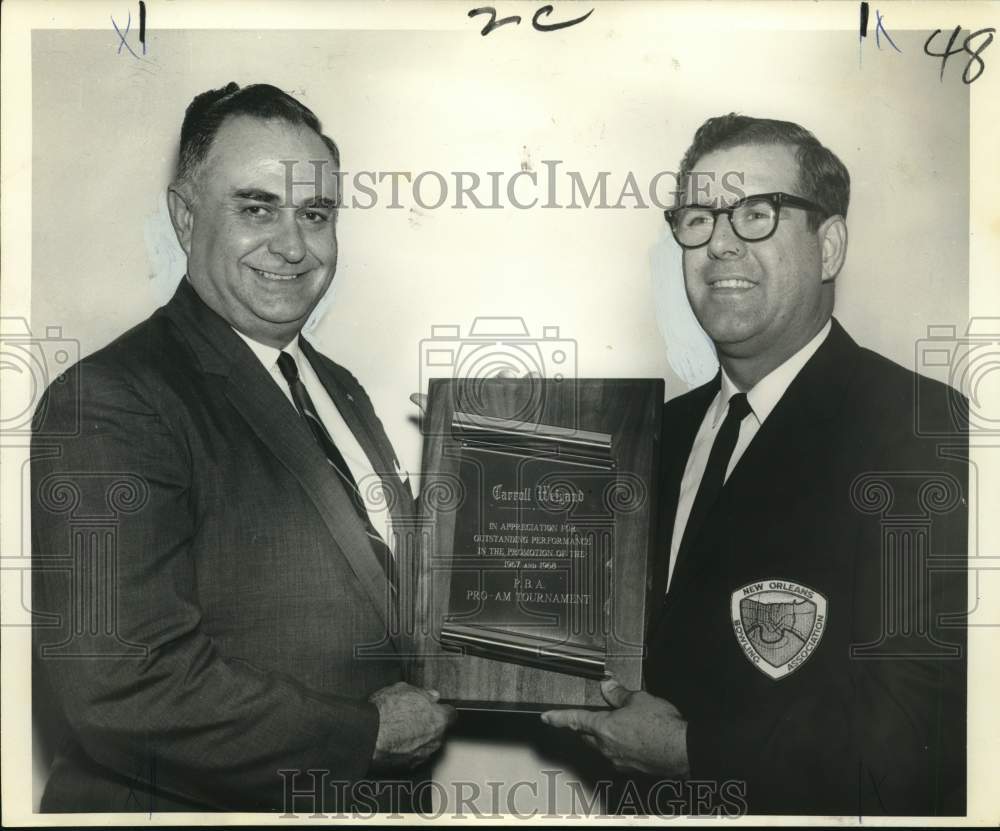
[
  {"x": 278, "y": 426},
  {"x": 683, "y": 426},
  {"x": 355, "y": 408},
  {"x": 681, "y": 420},
  {"x": 814, "y": 397},
  {"x": 255, "y": 395}
]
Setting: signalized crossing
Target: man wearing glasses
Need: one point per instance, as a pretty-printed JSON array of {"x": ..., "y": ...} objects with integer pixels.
[{"x": 812, "y": 543}]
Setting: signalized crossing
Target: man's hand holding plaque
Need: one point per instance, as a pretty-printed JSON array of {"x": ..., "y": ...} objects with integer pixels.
[{"x": 639, "y": 733}]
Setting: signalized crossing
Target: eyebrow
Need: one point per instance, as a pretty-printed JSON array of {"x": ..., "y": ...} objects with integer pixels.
[
  {"x": 319, "y": 202},
  {"x": 257, "y": 195}
]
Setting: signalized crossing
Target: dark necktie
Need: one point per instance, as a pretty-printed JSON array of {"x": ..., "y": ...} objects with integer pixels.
[
  {"x": 715, "y": 471},
  {"x": 304, "y": 404}
]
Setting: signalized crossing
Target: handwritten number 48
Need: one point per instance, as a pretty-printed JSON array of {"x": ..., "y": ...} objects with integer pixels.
[{"x": 974, "y": 55}]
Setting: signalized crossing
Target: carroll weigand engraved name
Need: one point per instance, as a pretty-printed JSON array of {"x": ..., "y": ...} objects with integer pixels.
[{"x": 540, "y": 493}]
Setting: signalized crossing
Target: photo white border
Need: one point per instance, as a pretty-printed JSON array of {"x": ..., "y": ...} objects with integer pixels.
[{"x": 20, "y": 17}]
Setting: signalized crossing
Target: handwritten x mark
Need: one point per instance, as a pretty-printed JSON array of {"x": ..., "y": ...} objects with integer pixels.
[{"x": 122, "y": 37}]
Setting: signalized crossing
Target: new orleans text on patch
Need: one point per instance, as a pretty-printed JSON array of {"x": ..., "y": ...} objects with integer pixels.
[{"x": 778, "y": 624}]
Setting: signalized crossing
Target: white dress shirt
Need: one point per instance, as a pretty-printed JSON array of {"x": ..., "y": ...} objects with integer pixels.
[
  {"x": 763, "y": 398},
  {"x": 361, "y": 466}
]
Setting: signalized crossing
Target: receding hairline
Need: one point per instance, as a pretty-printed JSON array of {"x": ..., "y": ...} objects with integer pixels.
[{"x": 192, "y": 175}]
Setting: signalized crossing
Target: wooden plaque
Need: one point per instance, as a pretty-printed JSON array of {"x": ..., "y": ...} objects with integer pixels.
[{"x": 537, "y": 505}]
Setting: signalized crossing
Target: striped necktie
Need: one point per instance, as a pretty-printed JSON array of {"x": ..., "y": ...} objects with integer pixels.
[{"x": 304, "y": 404}]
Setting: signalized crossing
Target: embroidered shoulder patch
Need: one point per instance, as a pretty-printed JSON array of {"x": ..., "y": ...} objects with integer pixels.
[{"x": 778, "y": 624}]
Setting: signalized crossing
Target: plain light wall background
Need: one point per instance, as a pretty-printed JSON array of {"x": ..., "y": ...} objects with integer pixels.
[{"x": 599, "y": 97}]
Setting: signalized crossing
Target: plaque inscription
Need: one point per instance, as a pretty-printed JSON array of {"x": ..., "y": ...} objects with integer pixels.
[{"x": 536, "y": 513}]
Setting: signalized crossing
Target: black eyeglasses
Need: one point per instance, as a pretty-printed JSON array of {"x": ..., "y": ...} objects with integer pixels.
[{"x": 753, "y": 219}]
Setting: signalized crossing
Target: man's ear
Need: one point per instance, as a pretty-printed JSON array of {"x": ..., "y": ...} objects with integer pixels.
[
  {"x": 179, "y": 199},
  {"x": 833, "y": 234}
]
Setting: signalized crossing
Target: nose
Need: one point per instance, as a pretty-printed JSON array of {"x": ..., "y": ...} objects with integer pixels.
[
  {"x": 724, "y": 243},
  {"x": 287, "y": 241}
]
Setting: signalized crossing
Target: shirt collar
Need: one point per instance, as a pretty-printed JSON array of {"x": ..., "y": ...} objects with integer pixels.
[
  {"x": 268, "y": 355},
  {"x": 764, "y": 396}
]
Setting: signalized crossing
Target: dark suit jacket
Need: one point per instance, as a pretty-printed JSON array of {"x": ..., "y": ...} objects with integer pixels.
[
  {"x": 215, "y": 611},
  {"x": 840, "y": 493}
]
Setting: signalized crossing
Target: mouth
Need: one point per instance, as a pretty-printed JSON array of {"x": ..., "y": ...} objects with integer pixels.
[
  {"x": 738, "y": 283},
  {"x": 275, "y": 276}
]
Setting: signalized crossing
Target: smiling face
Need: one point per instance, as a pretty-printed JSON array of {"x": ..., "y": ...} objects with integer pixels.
[
  {"x": 260, "y": 257},
  {"x": 760, "y": 302}
]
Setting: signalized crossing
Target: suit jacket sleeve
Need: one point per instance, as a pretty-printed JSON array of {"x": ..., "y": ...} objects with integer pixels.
[
  {"x": 891, "y": 737},
  {"x": 215, "y": 730}
]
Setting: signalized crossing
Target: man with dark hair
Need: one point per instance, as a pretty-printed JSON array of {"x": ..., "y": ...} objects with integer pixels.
[
  {"x": 231, "y": 641},
  {"x": 208, "y": 111},
  {"x": 808, "y": 652},
  {"x": 822, "y": 177}
]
